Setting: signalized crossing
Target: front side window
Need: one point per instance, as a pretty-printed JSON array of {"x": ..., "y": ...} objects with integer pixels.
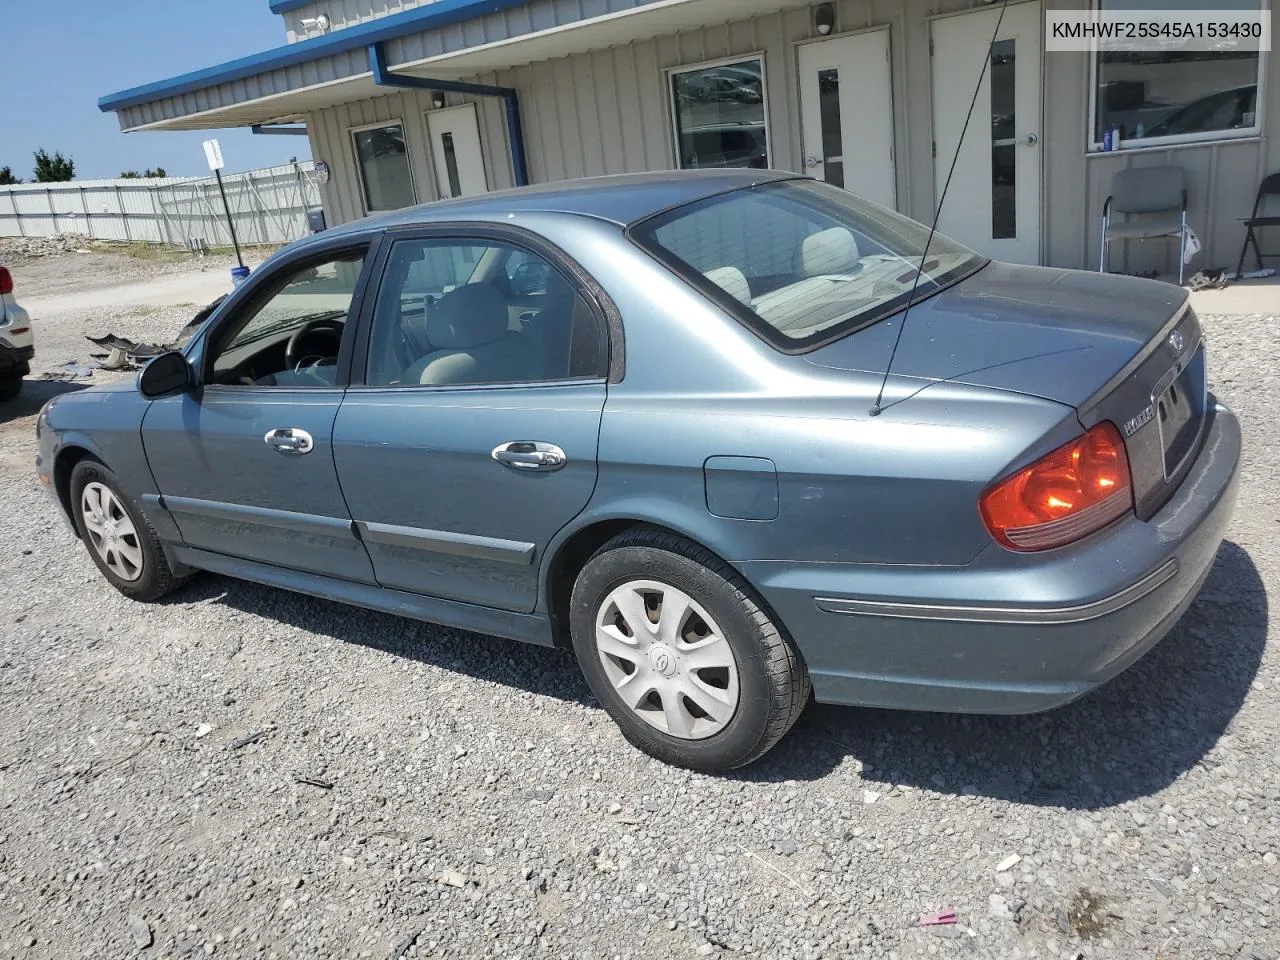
[
  {"x": 1175, "y": 95},
  {"x": 469, "y": 312},
  {"x": 719, "y": 114},
  {"x": 802, "y": 262},
  {"x": 290, "y": 334},
  {"x": 383, "y": 162}
]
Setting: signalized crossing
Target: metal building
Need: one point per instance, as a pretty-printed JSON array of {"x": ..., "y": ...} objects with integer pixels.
[{"x": 408, "y": 101}]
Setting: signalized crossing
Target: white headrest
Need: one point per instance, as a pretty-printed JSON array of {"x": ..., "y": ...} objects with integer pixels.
[
  {"x": 732, "y": 281},
  {"x": 828, "y": 251}
]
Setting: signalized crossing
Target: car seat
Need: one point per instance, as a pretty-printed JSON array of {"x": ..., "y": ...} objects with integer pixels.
[
  {"x": 732, "y": 281},
  {"x": 827, "y": 252},
  {"x": 469, "y": 330}
]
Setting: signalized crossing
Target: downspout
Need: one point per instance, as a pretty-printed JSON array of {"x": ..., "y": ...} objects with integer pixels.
[{"x": 383, "y": 77}]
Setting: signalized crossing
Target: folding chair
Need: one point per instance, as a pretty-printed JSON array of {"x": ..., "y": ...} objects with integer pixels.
[
  {"x": 1154, "y": 201},
  {"x": 1269, "y": 186}
]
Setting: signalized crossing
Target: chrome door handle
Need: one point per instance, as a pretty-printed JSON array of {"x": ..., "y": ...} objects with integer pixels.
[
  {"x": 289, "y": 440},
  {"x": 530, "y": 455},
  {"x": 1030, "y": 140},
  {"x": 812, "y": 161}
]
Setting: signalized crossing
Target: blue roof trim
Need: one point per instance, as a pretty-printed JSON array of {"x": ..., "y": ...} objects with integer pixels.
[
  {"x": 442, "y": 13},
  {"x": 284, "y": 6}
]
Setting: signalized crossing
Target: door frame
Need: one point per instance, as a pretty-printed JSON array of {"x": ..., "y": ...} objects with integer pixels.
[
  {"x": 602, "y": 306},
  {"x": 246, "y": 296},
  {"x": 899, "y": 189},
  {"x": 1042, "y": 207}
]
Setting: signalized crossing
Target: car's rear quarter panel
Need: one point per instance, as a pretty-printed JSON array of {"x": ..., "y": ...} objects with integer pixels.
[{"x": 898, "y": 488}]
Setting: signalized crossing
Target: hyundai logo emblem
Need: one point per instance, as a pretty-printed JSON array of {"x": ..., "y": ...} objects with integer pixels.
[{"x": 1176, "y": 341}]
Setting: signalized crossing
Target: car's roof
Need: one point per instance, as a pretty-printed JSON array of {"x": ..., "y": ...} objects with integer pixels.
[{"x": 622, "y": 199}]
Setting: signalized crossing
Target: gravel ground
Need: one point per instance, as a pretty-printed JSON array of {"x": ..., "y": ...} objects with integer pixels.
[{"x": 420, "y": 792}]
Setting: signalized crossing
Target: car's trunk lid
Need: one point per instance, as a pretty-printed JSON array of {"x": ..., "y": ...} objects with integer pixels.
[{"x": 1100, "y": 343}]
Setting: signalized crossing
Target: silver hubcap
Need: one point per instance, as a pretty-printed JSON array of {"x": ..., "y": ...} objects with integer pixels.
[
  {"x": 111, "y": 532},
  {"x": 667, "y": 659}
]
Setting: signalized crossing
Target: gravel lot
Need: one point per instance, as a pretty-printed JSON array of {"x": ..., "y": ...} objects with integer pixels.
[{"x": 464, "y": 796}]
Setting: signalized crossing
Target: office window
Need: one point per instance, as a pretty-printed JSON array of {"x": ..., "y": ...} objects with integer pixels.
[
  {"x": 1158, "y": 97},
  {"x": 383, "y": 161},
  {"x": 719, "y": 114}
]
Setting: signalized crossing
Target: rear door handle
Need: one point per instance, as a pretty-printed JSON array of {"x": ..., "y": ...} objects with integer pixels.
[
  {"x": 289, "y": 440},
  {"x": 530, "y": 455}
]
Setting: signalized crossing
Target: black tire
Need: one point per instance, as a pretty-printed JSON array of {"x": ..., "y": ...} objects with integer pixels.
[
  {"x": 10, "y": 387},
  {"x": 157, "y": 577},
  {"x": 772, "y": 678}
]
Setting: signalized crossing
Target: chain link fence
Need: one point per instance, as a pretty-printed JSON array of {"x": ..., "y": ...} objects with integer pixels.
[{"x": 269, "y": 206}]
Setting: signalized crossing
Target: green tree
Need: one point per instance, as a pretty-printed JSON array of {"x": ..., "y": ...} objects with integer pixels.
[
  {"x": 149, "y": 172},
  {"x": 129, "y": 174},
  {"x": 54, "y": 169},
  {"x": 7, "y": 177},
  {"x": 157, "y": 172}
]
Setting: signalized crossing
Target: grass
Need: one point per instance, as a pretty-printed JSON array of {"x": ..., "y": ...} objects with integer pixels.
[
  {"x": 141, "y": 251},
  {"x": 167, "y": 254}
]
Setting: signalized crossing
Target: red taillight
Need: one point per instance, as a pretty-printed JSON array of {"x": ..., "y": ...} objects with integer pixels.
[
  {"x": 6, "y": 280},
  {"x": 1063, "y": 496}
]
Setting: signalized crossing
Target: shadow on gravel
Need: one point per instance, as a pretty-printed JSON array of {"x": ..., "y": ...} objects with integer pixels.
[
  {"x": 1129, "y": 739},
  {"x": 541, "y": 670},
  {"x": 34, "y": 395}
]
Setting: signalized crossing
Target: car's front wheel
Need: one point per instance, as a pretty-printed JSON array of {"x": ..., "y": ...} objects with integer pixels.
[
  {"x": 10, "y": 387},
  {"x": 122, "y": 542},
  {"x": 679, "y": 651}
]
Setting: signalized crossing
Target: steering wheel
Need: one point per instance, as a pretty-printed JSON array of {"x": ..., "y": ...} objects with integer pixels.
[{"x": 324, "y": 326}]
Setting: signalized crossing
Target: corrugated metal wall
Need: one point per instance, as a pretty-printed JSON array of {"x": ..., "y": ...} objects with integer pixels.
[
  {"x": 343, "y": 13},
  {"x": 351, "y": 63},
  {"x": 607, "y": 112}
]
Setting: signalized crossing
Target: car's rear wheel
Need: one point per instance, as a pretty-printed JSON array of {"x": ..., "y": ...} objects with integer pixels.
[
  {"x": 10, "y": 387},
  {"x": 680, "y": 652},
  {"x": 122, "y": 542}
]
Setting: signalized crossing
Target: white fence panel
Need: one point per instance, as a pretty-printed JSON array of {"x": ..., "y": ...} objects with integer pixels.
[{"x": 268, "y": 206}]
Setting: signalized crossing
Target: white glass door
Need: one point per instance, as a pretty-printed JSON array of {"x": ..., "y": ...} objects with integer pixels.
[
  {"x": 846, "y": 112},
  {"x": 994, "y": 201},
  {"x": 455, "y": 146}
]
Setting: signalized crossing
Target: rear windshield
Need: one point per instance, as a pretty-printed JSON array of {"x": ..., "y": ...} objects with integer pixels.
[{"x": 802, "y": 262}]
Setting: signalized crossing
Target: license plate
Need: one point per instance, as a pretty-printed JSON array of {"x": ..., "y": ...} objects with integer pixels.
[{"x": 1178, "y": 413}]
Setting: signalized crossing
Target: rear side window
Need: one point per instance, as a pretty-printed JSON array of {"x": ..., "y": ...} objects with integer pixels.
[
  {"x": 802, "y": 262},
  {"x": 470, "y": 312}
]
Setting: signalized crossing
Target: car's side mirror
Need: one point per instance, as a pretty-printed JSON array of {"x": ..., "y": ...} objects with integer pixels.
[{"x": 168, "y": 373}]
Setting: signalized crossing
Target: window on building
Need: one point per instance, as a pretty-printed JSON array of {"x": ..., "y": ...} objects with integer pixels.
[
  {"x": 383, "y": 161},
  {"x": 719, "y": 114},
  {"x": 1158, "y": 97}
]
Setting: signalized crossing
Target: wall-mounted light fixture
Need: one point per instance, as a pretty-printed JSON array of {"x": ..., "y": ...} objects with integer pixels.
[
  {"x": 824, "y": 18},
  {"x": 437, "y": 99}
]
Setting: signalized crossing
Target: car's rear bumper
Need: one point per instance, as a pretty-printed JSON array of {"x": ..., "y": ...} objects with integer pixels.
[
  {"x": 1010, "y": 633},
  {"x": 15, "y": 359}
]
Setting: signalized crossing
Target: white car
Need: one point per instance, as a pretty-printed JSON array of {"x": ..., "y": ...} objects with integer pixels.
[{"x": 17, "y": 344}]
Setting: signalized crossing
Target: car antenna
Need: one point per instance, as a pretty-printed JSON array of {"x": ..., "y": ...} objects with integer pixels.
[{"x": 876, "y": 408}]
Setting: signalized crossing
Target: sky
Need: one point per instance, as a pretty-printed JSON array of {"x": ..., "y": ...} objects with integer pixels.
[{"x": 60, "y": 56}]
